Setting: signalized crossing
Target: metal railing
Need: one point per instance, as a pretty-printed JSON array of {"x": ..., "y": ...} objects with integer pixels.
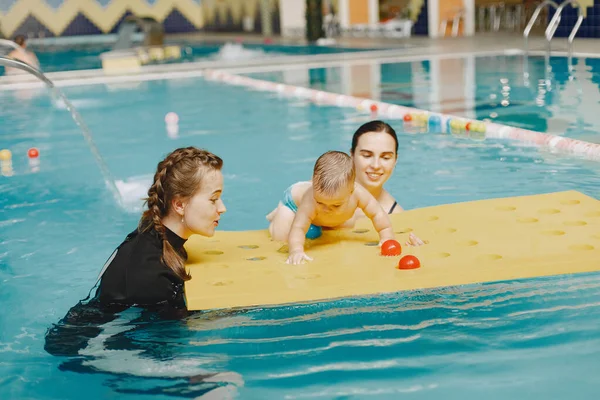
[
  {"x": 555, "y": 21},
  {"x": 535, "y": 16}
]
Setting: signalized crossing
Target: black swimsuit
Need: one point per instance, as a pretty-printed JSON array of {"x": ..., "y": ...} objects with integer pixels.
[
  {"x": 393, "y": 206},
  {"x": 137, "y": 276}
]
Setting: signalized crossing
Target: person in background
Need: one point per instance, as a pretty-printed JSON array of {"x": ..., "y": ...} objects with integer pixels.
[{"x": 22, "y": 54}]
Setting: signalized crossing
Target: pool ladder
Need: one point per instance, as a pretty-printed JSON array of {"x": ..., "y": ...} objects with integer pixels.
[{"x": 554, "y": 22}]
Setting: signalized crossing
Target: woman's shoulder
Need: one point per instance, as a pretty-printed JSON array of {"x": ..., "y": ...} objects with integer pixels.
[
  {"x": 389, "y": 203},
  {"x": 139, "y": 254},
  {"x": 137, "y": 275}
]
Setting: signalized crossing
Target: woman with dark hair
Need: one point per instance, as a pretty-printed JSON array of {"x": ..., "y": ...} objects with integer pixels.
[{"x": 375, "y": 153}]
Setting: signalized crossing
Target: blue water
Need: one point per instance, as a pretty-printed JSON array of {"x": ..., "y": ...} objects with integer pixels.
[
  {"x": 61, "y": 58},
  {"x": 551, "y": 98},
  {"x": 525, "y": 339}
]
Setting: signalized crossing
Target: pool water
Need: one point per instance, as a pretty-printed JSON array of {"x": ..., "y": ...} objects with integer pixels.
[
  {"x": 546, "y": 95},
  {"x": 60, "y": 58},
  {"x": 534, "y": 338}
]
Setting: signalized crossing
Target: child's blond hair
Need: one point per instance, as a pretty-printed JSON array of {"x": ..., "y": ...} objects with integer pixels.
[{"x": 333, "y": 171}]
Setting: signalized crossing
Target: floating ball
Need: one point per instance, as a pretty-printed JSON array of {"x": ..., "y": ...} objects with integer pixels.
[
  {"x": 391, "y": 247},
  {"x": 171, "y": 118},
  {"x": 409, "y": 262},
  {"x": 468, "y": 126},
  {"x": 457, "y": 124},
  {"x": 478, "y": 127},
  {"x": 33, "y": 153},
  {"x": 407, "y": 117},
  {"x": 373, "y": 108},
  {"x": 422, "y": 119},
  {"x": 5, "y": 155},
  {"x": 314, "y": 232},
  {"x": 435, "y": 123}
]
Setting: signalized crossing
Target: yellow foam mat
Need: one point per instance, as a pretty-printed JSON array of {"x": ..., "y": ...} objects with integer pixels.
[{"x": 480, "y": 241}]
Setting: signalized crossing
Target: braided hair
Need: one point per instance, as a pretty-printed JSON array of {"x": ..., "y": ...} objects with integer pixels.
[{"x": 180, "y": 174}]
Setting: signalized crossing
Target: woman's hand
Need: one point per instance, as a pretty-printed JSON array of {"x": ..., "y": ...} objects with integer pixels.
[{"x": 414, "y": 240}]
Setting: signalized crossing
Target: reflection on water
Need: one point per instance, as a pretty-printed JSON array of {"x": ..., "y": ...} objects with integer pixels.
[
  {"x": 59, "y": 225},
  {"x": 512, "y": 337},
  {"x": 557, "y": 95}
]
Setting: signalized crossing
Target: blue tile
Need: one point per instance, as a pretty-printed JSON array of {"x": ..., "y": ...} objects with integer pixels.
[
  {"x": 55, "y": 4},
  {"x": 32, "y": 27},
  {"x": 6, "y": 5},
  {"x": 117, "y": 24},
  {"x": 421, "y": 25},
  {"x": 176, "y": 22},
  {"x": 104, "y": 3},
  {"x": 81, "y": 25}
]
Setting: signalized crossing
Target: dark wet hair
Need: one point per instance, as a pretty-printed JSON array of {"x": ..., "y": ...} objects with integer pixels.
[
  {"x": 373, "y": 126},
  {"x": 20, "y": 40}
]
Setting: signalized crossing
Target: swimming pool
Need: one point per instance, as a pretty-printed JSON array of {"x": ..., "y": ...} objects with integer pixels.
[
  {"x": 532, "y": 92},
  {"x": 534, "y": 338},
  {"x": 63, "y": 58}
]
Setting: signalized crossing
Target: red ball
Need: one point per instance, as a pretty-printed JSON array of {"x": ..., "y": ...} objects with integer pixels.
[
  {"x": 33, "y": 153},
  {"x": 407, "y": 118},
  {"x": 409, "y": 262},
  {"x": 468, "y": 126},
  {"x": 373, "y": 107},
  {"x": 391, "y": 247}
]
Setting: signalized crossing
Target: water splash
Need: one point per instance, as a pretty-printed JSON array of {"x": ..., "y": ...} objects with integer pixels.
[{"x": 237, "y": 52}]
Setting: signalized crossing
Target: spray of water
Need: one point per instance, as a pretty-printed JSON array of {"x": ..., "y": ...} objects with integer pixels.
[
  {"x": 87, "y": 135},
  {"x": 237, "y": 52}
]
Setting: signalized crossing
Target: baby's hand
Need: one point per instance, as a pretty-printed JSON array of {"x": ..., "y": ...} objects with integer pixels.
[
  {"x": 414, "y": 240},
  {"x": 297, "y": 258},
  {"x": 384, "y": 239}
]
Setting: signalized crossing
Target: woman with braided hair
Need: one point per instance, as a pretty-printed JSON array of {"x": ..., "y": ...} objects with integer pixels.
[
  {"x": 147, "y": 270},
  {"x": 142, "y": 282},
  {"x": 184, "y": 199}
]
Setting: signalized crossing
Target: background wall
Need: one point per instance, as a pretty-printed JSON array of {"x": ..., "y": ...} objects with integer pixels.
[
  {"x": 591, "y": 23},
  {"x": 81, "y": 17},
  {"x": 241, "y": 15}
]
